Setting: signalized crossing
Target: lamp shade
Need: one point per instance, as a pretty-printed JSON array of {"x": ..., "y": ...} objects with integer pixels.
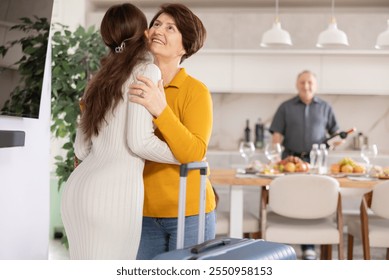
[
  {"x": 383, "y": 40},
  {"x": 332, "y": 37},
  {"x": 276, "y": 37}
]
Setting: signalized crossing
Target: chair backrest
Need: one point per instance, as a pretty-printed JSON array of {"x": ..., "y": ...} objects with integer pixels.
[
  {"x": 304, "y": 196},
  {"x": 380, "y": 200}
]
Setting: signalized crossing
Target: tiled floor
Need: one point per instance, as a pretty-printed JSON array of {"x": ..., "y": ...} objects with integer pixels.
[{"x": 57, "y": 251}]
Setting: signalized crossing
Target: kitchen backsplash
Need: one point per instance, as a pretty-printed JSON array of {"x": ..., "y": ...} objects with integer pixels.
[{"x": 369, "y": 114}]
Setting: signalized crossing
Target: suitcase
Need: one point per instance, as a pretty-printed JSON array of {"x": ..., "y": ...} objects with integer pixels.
[{"x": 219, "y": 248}]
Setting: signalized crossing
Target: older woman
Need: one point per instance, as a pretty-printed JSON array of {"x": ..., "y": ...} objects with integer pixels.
[{"x": 184, "y": 120}]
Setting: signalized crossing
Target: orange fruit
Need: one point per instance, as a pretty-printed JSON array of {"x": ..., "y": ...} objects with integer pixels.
[
  {"x": 335, "y": 168},
  {"x": 347, "y": 168},
  {"x": 359, "y": 169}
]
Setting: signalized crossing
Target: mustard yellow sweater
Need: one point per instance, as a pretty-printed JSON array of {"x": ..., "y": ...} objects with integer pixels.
[{"x": 186, "y": 126}]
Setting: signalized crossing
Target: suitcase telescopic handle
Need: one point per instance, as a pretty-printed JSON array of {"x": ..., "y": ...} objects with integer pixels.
[{"x": 202, "y": 166}]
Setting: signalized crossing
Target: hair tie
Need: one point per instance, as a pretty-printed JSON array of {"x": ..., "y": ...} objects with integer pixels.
[{"x": 120, "y": 48}]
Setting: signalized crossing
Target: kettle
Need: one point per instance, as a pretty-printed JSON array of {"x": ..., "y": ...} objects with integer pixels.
[{"x": 359, "y": 140}]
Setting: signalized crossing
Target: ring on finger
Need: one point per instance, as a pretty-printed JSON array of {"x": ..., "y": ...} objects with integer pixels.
[{"x": 142, "y": 94}]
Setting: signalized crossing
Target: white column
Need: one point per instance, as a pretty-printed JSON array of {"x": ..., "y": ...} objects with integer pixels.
[{"x": 70, "y": 12}]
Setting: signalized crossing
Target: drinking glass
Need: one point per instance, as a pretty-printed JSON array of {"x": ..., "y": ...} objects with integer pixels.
[
  {"x": 247, "y": 150},
  {"x": 273, "y": 152},
  {"x": 368, "y": 152}
]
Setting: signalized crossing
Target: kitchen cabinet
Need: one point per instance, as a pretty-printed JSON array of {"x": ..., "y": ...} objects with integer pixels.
[
  {"x": 355, "y": 74},
  {"x": 269, "y": 73},
  {"x": 213, "y": 69},
  {"x": 274, "y": 71}
]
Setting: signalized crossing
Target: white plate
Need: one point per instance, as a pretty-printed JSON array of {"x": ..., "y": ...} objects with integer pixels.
[
  {"x": 243, "y": 175},
  {"x": 291, "y": 173},
  {"x": 336, "y": 175},
  {"x": 270, "y": 175},
  {"x": 340, "y": 174},
  {"x": 243, "y": 171},
  {"x": 359, "y": 178}
]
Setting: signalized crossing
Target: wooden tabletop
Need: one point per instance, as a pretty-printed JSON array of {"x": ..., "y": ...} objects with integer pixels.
[{"x": 228, "y": 177}]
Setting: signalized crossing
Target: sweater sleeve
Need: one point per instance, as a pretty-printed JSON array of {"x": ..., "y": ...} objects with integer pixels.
[
  {"x": 188, "y": 135},
  {"x": 140, "y": 131},
  {"x": 82, "y": 145}
]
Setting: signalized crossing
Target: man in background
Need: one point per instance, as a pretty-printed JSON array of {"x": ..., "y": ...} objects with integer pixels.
[{"x": 300, "y": 122}]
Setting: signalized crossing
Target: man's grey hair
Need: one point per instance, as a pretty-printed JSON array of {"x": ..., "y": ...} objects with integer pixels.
[{"x": 306, "y": 72}]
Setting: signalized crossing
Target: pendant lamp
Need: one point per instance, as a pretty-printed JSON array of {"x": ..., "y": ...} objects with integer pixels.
[
  {"x": 276, "y": 36},
  {"x": 383, "y": 39},
  {"x": 332, "y": 37}
]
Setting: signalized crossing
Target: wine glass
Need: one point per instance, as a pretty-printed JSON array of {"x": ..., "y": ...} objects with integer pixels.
[
  {"x": 273, "y": 152},
  {"x": 368, "y": 152},
  {"x": 247, "y": 150}
]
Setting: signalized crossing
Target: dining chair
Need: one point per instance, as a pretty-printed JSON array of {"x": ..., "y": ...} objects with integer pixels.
[
  {"x": 303, "y": 209},
  {"x": 250, "y": 223},
  {"x": 372, "y": 227}
]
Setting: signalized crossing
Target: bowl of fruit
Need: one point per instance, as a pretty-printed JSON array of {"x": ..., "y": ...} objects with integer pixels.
[
  {"x": 292, "y": 164},
  {"x": 347, "y": 166}
]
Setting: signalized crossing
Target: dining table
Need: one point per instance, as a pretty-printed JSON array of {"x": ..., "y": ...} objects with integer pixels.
[{"x": 229, "y": 177}]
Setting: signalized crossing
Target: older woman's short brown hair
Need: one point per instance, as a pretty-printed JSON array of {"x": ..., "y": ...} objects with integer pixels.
[{"x": 192, "y": 29}]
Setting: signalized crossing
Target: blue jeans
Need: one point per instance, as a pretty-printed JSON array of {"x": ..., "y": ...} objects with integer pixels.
[{"x": 159, "y": 235}]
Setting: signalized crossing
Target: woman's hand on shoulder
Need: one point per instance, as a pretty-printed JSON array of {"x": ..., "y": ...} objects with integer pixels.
[{"x": 148, "y": 94}]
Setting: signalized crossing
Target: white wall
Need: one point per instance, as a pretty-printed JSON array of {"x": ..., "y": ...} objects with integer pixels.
[{"x": 69, "y": 12}]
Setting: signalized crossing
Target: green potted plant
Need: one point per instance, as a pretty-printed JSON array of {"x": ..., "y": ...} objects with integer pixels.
[
  {"x": 25, "y": 97},
  {"x": 75, "y": 57}
]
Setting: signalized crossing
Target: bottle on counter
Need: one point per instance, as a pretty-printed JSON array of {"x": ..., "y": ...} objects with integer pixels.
[
  {"x": 359, "y": 140},
  {"x": 334, "y": 140},
  {"x": 315, "y": 158},
  {"x": 247, "y": 131},
  {"x": 323, "y": 165},
  {"x": 259, "y": 134}
]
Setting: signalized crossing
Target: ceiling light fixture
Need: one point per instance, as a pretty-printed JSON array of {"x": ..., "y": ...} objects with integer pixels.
[
  {"x": 383, "y": 39},
  {"x": 332, "y": 37},
  {"x": 276, "y": 36}
]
